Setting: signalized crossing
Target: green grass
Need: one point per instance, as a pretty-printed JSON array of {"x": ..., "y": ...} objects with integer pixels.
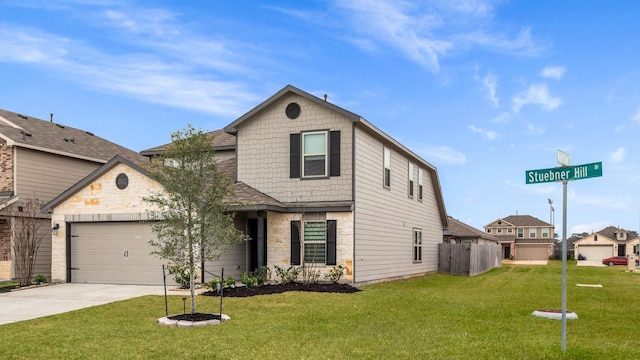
[
  {"x": 431, "y": 317},
  {"x": 4, "y": 284}
]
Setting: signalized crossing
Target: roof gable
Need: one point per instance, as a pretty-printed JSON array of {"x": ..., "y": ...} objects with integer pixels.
[{"x": 87, "y": 180}]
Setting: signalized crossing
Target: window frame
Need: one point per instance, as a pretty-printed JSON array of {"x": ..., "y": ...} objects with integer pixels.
[
  {"x": 386, "y": 167},
  {"x": 410, "y": 180},
  {"x": 520, "y": 233},
  {"x": 420, "y": 184},
  {"x": 304, "y": 155},
  {"x": 545, "y": 232},
  {"x": 305, "y": 242},
  {"x": 534, "y": 232},
  {"x": 417, "y": 245}
]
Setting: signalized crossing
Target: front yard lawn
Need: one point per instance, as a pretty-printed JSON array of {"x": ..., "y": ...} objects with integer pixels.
[{"x": 431, "y": 317}]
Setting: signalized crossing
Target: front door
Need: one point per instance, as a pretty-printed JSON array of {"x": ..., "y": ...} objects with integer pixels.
[
  {"x": 253, "y": 242},
  {"x": 507, "y": 251}
]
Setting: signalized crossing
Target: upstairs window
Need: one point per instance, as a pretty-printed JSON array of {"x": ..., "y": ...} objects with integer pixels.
[
  {"x": 499, "y": 230},
  {"x": 314, "y": 154},
  {"x": 419, "y": 184},
  {"x": 410, "y": 178},
  {"x": 488, "y": 231},
  {"x": 532, "y": 232},
  {"x": 545, "y": 232},
  {"x": 387, "y": 168},
  {"x": 520, "y": 232}
]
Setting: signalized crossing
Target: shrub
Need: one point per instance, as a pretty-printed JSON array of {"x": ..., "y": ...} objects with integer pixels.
[
  {"x": 214, "y": 283},
  {"x": 230, "y": 281},
  {"x": 181, "y": 276},
  {"x": 335, "y": 274},
  {"x": 288, "y": 275},
  {"x": 40, "y": 279},
  {"x": 249, "y": 280}
]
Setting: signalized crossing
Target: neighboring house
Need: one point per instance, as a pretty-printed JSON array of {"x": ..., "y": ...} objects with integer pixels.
[
  {"x": 319, "y": 186},
  {"x": 39, "y": 160},
  {"x": 608, "y": 242},
  {"x": 523, "y": 237},
  {"x": 223, "y": 143},
  {"x": 460, "y": 233}
]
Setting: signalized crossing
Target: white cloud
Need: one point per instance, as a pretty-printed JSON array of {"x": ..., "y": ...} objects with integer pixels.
[
  {"x": 491, "y": 83},
  {"x": 636, "y": 117},
  {"x": 502, "y": 118},
  {"x": 588, "y": 228},
  {"x": 535, "y": 130},
  {"x": 154, "y": 76},
  {"x": 426, "y": 32},
  {"x": 536, "y": 94},
  {"x": 618, "y": 155},
  {"x": 487, "y": 134},
  {"x": 553, "y": 72},
  {"x": 441, "y": 154}
]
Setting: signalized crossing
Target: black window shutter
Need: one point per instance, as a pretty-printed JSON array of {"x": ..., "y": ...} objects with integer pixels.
[
  {"x": 331, "y": 242},
  {"x": 295, "y": 243},
  {"x": 334, "y": 153},
  {"x": 294, "y": 155}
]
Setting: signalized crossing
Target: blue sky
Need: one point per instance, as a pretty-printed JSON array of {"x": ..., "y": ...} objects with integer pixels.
[{"x": 483, "y": 90}]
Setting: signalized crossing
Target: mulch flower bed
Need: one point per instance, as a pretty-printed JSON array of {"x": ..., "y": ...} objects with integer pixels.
[{"x": 244, "y": 291}]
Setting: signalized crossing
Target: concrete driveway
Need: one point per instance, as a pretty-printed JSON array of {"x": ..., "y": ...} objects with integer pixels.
[{"x": 55, "y": 299}]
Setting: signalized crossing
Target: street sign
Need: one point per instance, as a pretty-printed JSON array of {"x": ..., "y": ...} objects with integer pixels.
[
  {"x": 566, "y": 173},
  {"x": 564, "y": 159}
]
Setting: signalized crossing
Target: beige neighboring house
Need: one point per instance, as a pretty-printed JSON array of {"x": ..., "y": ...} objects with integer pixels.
[
  {"x": 223, "y": 143},
  {"x": 460, "y": 233},
  {"x": 523, "y": 237},
  {"x": 40, "y": 159},
  {"x": 320, "y": 186},
  {"x": 608, "y": 242}
]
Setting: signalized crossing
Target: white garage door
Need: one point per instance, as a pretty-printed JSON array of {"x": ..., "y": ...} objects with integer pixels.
[
  {"x": 595, "y": 252},
  {"x": 114, "y": 253},
  {"x": 532, "y": 252}
]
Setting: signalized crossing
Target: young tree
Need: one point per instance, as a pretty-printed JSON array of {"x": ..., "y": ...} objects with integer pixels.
[
  {"x": 196, "y": 222},
  {"x": 26, "y": 226}
]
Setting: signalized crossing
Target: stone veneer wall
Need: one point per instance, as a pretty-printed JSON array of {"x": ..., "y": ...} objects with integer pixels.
[
  {"x": 6, "y": 167},
  {"x": 5, "y": 249},
  {"x": 279, "y": 241}
]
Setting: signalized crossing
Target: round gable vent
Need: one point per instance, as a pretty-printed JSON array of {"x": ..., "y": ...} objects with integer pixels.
[
  {"x": 122, "y": 181},
  {"x": 293, "y": 111}
]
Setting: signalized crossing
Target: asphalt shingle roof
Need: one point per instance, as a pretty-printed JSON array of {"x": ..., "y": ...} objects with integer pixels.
[
  {"x": 30, "y": 132},
  {"x": 220, "y": 140},
  {"x": 459, "y": 229}
]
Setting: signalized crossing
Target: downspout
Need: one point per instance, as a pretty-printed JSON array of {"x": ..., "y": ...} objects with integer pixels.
[{"x": 353, "y": 198}]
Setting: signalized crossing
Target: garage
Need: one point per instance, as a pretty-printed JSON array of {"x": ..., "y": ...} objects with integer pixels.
[
  {"x": 595, "y": 252},
  {"x": 532, "y": 252},
  {"x": 114, "y": 253}
]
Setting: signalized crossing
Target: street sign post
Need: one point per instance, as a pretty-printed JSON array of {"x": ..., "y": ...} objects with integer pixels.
[{"x": 565, "y": 174}]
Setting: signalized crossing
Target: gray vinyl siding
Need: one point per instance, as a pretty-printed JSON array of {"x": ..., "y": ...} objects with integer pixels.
[
  {"x": 43, "y": 257},
  {"x": 263, "y": 143},
  {"x": 385, "y": 218},
  {"x": 47, "y": 175}
]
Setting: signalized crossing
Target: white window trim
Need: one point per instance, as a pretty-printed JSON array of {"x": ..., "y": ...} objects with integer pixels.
[
  {"x": 410, "y": 180},
  {"x": 325, "y": 154},
  {"x": 420, "y": 194},
  {"x": 386, "y": 181},
  {"x": 417, "y": 245}
]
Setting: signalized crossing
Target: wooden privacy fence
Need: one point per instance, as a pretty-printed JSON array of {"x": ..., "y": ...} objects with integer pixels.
[{"x": 468, "y": 259}]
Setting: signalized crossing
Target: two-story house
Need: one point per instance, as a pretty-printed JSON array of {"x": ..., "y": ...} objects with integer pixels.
[
  {"x": 608, "y": 242},
  {"x": 38, "y": 160},
  {"x": 319, "y": 186},
  {"x": 523, "y": 237}
]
